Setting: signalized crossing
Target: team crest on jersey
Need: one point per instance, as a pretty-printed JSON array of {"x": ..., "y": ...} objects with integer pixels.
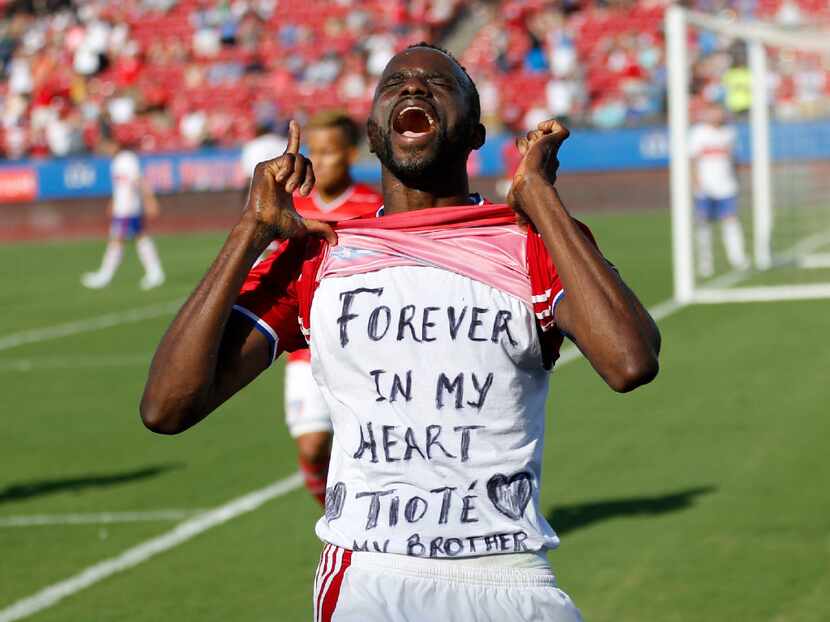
[{"x": 347, "y": 253}]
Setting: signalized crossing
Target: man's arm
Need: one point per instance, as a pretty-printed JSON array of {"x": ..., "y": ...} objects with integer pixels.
[
  {"x": 598, "y": 311},
  {"x": 206, "y": 355}
]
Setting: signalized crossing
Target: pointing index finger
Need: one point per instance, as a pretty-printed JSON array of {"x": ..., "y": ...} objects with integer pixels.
[{"x": 293, "y": 137}]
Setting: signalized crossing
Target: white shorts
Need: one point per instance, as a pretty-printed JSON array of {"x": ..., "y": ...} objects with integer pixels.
[
  {"x": 381, "y": 587},
  {"x": 305, "y": 409}
]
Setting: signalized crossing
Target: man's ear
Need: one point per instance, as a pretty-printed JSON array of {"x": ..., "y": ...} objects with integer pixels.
[
  {"x": 479, "y": 136},
  {"x": 371, "y": 133},
  {"x": 353, "y": 155}
]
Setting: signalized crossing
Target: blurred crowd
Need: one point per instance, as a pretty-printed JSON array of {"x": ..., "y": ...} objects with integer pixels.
[
  {"x": 601, "y": 63},
  {"x": 179, "y": 74},
  {"x": 163, "y": 75}
]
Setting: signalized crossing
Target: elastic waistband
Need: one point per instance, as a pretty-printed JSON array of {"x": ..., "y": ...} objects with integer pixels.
[{"x": 462, "y": 570}]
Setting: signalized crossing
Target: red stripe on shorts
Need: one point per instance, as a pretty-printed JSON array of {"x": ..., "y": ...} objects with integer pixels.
[
  {"x": 330, "y": 599},
  {"x": 332, "y": 565},
  {"x": 323, "y": 569}
]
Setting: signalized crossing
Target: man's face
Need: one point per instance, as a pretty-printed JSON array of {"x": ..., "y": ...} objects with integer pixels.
[
  {"x": 331, "y": 155},
  {"x": 421, "y": 118}
]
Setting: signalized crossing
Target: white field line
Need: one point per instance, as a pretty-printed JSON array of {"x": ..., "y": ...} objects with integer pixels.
[
  {"x": 98, "y": 518},
  {"x": 773, "y": 293},
  {"x": 51, "y": 595},
  {"x": 108, "y": 320}
]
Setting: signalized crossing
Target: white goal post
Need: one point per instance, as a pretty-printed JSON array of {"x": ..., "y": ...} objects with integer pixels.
[{"x": 758, "y": 37}]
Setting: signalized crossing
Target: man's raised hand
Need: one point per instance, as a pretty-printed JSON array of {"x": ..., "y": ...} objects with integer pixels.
[
  {"x": 270, "y": 201},
  {"x": 539, "y": 149}
]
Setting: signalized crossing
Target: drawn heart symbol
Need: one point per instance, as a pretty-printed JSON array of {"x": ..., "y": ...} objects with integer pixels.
[
  {"x": 510, "y": 495},
  {"x": 335, "y": 498}
]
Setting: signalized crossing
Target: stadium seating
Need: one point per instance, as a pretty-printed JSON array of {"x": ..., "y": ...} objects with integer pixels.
[{"x": 163, "y": 60}]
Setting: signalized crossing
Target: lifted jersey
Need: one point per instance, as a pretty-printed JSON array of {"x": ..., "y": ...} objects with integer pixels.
[
  {"x": 431, "y": 335},
  {"x": 358, "y": 200}
]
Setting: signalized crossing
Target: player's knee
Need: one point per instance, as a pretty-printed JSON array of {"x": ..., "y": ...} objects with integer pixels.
[{"x": 314, "y": 447}]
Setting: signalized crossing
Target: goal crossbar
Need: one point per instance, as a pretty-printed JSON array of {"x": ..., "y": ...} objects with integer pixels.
[{"x": 762, "y": 32}]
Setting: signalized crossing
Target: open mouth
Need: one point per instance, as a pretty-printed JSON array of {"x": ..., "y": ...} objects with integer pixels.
[{"x": 413, "y": 122}]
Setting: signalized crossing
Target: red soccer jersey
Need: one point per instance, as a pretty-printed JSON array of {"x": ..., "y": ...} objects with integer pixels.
[
  {"x": 358, "y": 200},
  {"x": 277, "y": 294}
]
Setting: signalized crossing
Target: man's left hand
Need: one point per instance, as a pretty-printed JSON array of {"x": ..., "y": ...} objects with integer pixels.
[{"x": 539, "y": 149}]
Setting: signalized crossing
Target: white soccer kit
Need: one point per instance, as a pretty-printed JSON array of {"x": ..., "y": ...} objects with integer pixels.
[
  {"x": 427, "y": 343},
  {"x": 712, "y": 148},
  {"x": 126, "y": 185},
  {"x": 375, "y": 587}
]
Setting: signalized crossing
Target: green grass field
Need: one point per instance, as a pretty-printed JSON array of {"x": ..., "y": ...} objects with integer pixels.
[{"x": 703, "y": 496}]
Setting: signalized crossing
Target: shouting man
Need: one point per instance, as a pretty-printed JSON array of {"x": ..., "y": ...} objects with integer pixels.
[{"x": 432, "y": 329}]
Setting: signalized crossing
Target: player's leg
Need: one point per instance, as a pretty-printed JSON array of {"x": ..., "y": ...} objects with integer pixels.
[
  {"x": 313, "y": 453},
  {"x": 732, "y": 233},
  {"x": 309, "y": 424},
  {"x": 149, "y": 258},
  {"x": 113, "y": 254},
  {"x": 703, "y": 237}
]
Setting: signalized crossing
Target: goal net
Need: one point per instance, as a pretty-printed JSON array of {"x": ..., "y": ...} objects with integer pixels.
[{"x": 749, "y": 123}]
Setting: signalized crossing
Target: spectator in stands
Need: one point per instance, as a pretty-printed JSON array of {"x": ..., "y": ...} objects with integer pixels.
[
  {"x": 381, "y": 48},
  {"x": 193, "y": 128},
  {"x": 322, "y": 72},
  {"x": 354, "y": 83},
  {"x": 121, "y": 108},
  {"x": 609, "y": 111},
  {"x": 563, "y": 96},
  {"x": 63, "y": 133}
]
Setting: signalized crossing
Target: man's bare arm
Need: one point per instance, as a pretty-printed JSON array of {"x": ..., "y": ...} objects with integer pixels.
[
  {"x": 599, "y": 312},
  {"x": 206, "y": 355}
]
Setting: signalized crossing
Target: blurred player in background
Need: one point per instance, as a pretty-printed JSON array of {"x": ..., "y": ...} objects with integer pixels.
[
  {"x": 332, "y": 139},
  {"x": 712, "y": 146},
  {"x": 332, "y": 147},
  {"x": 132, "y": 202}
]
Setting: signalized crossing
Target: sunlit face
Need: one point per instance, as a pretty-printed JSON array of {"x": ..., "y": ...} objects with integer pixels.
[
  {"x": 331, "y": 154},
  {"x": 421, "y": 115}
]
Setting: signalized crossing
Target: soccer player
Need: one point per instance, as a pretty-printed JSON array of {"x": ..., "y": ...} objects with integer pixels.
[
  {"x": 432, "y": 330},
  {"x": 332, "y": 138},
  {"x": 712, "y": 146},
  {"x": 132, "y": 202}
]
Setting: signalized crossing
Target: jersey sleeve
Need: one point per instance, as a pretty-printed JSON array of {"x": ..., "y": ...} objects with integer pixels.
[
  {"x": 547, "y": 291},
  {"x": 268, "y": 298}
]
